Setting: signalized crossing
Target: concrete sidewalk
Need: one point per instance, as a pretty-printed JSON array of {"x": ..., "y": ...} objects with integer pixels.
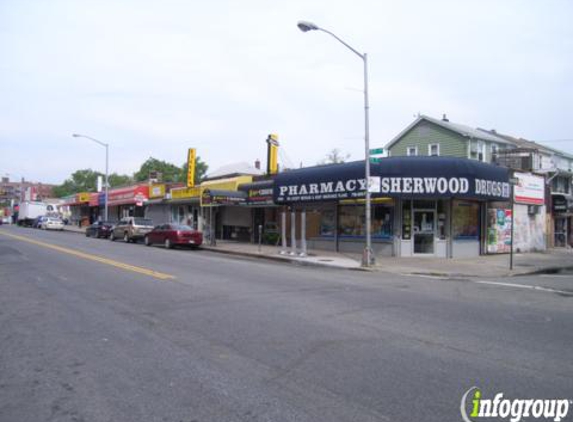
[{"x": 484, "y": 266}]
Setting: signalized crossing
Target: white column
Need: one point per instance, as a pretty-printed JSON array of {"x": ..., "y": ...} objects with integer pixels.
[{"x": 292, "y": 232}]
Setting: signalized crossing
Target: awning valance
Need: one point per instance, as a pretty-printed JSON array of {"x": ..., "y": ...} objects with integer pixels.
[{"x": 398, "y": 177}]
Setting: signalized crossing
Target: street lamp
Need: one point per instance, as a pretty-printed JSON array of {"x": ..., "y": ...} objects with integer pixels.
[
  {"x": 367, "y": 256},
  {"x": 103, "y": 144}
]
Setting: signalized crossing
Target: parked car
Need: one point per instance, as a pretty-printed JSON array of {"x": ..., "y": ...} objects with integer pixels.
[
  {"x": 37, "y": 223},
  {"x": 131, "y": 229},
  {"x": 99, "y": 229},
  {"x": 52, "y": 223},
  {"x": 172, "y": 235}
]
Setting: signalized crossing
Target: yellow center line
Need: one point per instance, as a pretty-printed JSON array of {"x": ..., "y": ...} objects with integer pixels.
[{"x": 95, "y": 258}]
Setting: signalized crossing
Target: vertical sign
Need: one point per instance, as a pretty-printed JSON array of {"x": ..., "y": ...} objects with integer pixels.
[
  {"x": 272, "y": 154},
  {"x": 191, "y": 158}
]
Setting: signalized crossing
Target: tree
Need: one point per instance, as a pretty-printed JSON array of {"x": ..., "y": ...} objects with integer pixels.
[
  {"x": 200, "y": 170},
  {"x": 169, "y": 172},
  {"x": 335, "y": 157},
  {"x": 86, "y": 181}
]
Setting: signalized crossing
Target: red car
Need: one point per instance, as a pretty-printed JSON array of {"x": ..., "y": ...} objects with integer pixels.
[{"x": 174, "y": 234}]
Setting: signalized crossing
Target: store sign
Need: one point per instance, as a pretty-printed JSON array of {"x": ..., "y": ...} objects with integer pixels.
[
  {"x": 260, "y": 196},
  {"x": 156, "y": 191},
  {"x": 394, "y": 186},
  {"x": 559, "y": 203},
  {"x": 186, "y": 193},
  {"x": 212, "y": 198},
  {"x": 83, "y": 197},
  {"x": 530, "y": 189},
  {"x": 129, "y": 195}
]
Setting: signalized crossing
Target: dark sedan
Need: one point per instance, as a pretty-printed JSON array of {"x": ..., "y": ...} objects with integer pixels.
[
  {"x": 99, "y": 229},
  {"x": 172, "y": 235}
]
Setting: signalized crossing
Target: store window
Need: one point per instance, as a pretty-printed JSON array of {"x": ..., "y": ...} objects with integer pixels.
[
  {"x": 407, "y": 220},
  {"x": 465, "y": 220},
  {"x": 327, "y": 223},
  {"x": 351, "y": 220}
]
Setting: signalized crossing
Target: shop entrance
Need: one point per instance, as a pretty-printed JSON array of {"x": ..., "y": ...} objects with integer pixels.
[
  {"x": 424, "y": 231},
  {"x": 560, "y": 232}
]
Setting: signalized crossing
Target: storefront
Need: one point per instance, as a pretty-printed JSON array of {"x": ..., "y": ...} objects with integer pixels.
[
  {"x": 264, "y": 214},
  {"x": 185, "y": 207},
  {"x": 126, "y": 202},
  {"x": 562, "y": 207},
  {"x": 421, "y": 206},
  {"x": 79, "y": 208}
]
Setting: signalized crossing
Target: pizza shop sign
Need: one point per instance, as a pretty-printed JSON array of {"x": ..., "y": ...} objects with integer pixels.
[{"x": 393, "y": 186}]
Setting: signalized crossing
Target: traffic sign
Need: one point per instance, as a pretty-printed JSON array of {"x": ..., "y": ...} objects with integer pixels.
[
  {"x": 375, "y": 160},
  {"x": 377, "y": 151}
]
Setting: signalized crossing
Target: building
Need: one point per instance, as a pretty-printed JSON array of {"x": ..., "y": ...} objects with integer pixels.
[{"x": 422, "y": 206}]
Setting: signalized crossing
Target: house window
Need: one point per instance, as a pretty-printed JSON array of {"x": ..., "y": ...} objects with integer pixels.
[
  {"x": 494, "y": 150},
  {"x": 434, "y": 149},
  {"x": 477, "y": 150},
  {"x": 412, "y": 151}
]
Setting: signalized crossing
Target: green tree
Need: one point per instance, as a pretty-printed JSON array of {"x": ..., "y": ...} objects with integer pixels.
[
  {"x": 200, "y": 170},
  {"x": 169, "y": 172},
  {"x": 86, "y": 181}
]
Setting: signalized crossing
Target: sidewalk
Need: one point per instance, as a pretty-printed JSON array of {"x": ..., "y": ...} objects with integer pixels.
[{"x": 484, "y": 266}]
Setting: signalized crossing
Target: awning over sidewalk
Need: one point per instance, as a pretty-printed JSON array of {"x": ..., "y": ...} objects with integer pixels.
[{"x": 398, "y": 177}]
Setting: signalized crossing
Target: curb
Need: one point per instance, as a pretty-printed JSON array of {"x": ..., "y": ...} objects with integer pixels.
[{"x": 280, "y": 259}]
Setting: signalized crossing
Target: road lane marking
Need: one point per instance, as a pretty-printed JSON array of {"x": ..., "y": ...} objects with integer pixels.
[
  {"x": 523, "y": 286},
  {"x": 117, "y": 264}
]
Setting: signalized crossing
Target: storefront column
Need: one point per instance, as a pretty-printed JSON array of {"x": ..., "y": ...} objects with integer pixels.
[
  {"x": 303, "y": 232},
  {"x": 293, "y": 232},
  {"x": 283, "y": 233}
]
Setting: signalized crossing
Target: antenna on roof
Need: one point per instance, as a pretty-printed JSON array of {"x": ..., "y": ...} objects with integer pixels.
[{"x": 445, "y": 118}]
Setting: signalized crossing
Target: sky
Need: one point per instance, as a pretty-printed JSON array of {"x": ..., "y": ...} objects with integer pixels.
[{"x": 154, "y": 78}]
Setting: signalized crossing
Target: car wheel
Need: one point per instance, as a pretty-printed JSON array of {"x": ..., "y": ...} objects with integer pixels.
[
  {"x": 126, "y": 238},
  {"x": 146, "y": 241},
  {"x": 111, "y": 236},
  {"x": 168, "y": 244}
]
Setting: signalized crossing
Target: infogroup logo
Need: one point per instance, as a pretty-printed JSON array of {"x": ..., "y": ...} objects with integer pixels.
[{"x": 513, "y": 409}]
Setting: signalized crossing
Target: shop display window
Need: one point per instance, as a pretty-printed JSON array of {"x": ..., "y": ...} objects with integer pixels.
[
  {"x": 465, "y": 219},
  {"x": 351, "y": 221}
]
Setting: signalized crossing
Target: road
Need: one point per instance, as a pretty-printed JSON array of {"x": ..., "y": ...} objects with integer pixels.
[{"x": 93, "y": 330}]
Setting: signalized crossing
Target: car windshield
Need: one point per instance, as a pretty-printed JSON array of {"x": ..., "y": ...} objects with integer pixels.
[
  {"x": 181, "y": 227},
  {"x": 142, "y": 222},
  {"x": 53, "y": 219}
]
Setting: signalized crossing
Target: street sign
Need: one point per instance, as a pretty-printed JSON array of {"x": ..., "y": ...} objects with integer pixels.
[
  {"x": 375, "y": 160},
  {"x": 377, "y": 151}
]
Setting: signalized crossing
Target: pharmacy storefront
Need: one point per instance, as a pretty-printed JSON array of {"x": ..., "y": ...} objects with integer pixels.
[{"x": 421, "y": 206}]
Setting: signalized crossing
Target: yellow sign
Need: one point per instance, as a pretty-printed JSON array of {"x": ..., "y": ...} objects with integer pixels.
[
  {"x": 272, "y": 154},
  {"x": 156, "y": 191},
  {"x": 83, "y": 197},
  {"x": 191, "y": 158},
  {"x": 186, "y": 193}
]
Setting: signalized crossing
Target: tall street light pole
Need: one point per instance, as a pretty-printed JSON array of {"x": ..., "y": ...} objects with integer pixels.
[
  {"x": 103, "y": 144},
  {"x": 367, "y": 256}
]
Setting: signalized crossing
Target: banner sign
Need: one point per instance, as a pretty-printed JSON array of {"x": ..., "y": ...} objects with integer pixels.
[
  {"x": 403, "y": 177},
  {"x": 530, "y": 189},
  {"x": 211, "y": 198}
]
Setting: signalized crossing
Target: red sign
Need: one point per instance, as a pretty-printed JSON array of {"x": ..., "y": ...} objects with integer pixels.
[{"x": 128, "y": 195}]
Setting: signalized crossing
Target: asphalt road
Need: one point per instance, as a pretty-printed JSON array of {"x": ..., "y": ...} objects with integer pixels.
[{"x": 230, "y": 339}]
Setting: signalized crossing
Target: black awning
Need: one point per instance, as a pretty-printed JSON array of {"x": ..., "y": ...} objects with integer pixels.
[
  {"x": 222, "y": 197},
  {"x": 399, "y": 177}
]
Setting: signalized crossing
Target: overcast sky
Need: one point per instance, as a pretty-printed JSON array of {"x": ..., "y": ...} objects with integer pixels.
[{"x": 154, "y": 78}]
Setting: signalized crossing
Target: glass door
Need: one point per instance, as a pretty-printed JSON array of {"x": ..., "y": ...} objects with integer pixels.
[{"x": 424, "y": 231}]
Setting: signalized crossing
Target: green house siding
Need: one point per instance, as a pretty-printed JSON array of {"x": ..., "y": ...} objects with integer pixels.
[{"x": 426, "y": 133}]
